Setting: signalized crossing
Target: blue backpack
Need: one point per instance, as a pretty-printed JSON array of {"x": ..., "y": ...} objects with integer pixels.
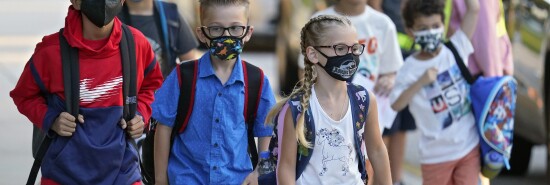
[
  {"x": 494, "y": 104},
  {"x": 359, "y": 99}
]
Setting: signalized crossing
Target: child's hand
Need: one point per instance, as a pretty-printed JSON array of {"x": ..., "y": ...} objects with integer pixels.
[
  {"x": 65, "y": 124},
  {"x": 252, "y": 179},
  {"x": 134, "y": 127},
  {"x": 429, "y": 76},
  {"x": 384, "y": 84}
]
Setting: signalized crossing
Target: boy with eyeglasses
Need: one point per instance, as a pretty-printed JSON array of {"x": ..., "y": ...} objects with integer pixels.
[{"x": 213, "y": 147}]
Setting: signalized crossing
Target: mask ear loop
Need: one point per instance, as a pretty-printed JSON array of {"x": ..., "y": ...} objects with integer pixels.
[
  {"x": 247, "y": 28},
  {"x": 319, "y": 63}
]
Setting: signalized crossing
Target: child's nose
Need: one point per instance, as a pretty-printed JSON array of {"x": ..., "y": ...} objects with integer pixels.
[{"x": 226, "y": 33}]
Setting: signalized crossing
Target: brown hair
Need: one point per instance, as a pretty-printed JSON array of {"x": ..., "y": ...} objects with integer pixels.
[
  {"x": 204, "y": 4},
  {"x": 416, "y": 8},
  {"x": 314, "y": 32}
]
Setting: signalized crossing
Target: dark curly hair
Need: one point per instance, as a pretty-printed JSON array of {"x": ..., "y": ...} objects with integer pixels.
[{"x": 415, "y": 8}]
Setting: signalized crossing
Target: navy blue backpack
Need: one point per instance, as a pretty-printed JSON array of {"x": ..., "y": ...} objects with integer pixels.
[{"x": 359, "y": 99}]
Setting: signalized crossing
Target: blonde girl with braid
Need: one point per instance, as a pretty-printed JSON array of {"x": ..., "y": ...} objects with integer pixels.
[{"x": 318, "y": 123}]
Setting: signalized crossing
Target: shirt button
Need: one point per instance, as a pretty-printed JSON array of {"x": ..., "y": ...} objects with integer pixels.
[
  {"x": 216, "y": 145},
  {"x": 219, "y": 94},
  {"x": 217, "y": 120},
  {"x": 215, "y": 168}
]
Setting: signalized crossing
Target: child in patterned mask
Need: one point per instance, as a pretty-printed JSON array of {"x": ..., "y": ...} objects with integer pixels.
[
  {"x": 431, "y": 84},
  {"x": 213, "y": 148},
  {"x": 325, "y": 121}
]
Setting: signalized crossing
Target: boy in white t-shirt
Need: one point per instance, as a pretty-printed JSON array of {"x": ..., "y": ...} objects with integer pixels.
[{"x": 431, "y": 84}]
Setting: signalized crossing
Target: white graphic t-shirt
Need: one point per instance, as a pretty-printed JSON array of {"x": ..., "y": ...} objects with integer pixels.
[
  {"x": 382, "y": 54},
  {"x": 334, "y": 159},
  {"x": 442, "y": 109}
]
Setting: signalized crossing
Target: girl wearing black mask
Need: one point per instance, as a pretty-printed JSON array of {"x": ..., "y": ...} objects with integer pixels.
[{"x": 323, "y": 124}]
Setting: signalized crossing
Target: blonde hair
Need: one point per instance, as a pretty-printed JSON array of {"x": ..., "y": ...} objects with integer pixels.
[
  {"x": 204, "y": 4},
  {"x": 314, "y": 32}
]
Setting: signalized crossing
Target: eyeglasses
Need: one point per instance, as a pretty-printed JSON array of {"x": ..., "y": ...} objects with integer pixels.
[
  {"x": 216, "y": 31},
  {"x": 343, "y": 49}
]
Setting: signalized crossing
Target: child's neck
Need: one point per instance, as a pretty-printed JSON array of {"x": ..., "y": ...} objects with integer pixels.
[
  {"x": 423, "y": 56},
  {"x": 222, "y": 68},
  {"x": 349, "y": 9},
  {"x": 91, "y": 32},
  {"x": 140, "y": 8},
  {"x": 328, "y": 87}
]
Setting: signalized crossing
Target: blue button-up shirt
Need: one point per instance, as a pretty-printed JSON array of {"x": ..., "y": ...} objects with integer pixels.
[{"x": 213, "y": 148}]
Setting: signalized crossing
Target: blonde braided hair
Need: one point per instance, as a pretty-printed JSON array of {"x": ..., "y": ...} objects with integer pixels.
[{"x": 311, "y": 35}]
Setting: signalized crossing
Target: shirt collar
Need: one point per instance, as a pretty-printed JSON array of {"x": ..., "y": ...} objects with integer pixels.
[{"x": 206, "y": 69}]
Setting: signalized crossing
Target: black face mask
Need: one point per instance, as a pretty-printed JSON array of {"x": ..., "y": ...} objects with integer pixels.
[
  {"x": 100, "y": 12},
  {"x": 341, "y": 67}
]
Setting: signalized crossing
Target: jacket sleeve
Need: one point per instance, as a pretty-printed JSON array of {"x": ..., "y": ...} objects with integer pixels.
[
  {"x": 29, "y": 99},
  {"x": 152, "y": 80}
]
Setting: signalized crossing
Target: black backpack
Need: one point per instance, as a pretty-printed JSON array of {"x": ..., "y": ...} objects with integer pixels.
[
  {"x": 253, "y": 80},
  {"x": 71, "y": 78}
]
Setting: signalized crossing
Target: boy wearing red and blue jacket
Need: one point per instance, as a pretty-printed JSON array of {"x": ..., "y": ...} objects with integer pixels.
[{"x": 93, "y": 148}]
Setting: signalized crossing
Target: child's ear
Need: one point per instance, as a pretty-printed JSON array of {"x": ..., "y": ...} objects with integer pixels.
[
  {"x": 311, "y": 54},
  {"x": 410, "y": 32},
  {"x": 201, "y": 35},
  {"x": 248, "y": 34}
]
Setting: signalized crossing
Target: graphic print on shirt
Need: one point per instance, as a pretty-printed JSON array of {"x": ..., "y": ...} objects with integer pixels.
[
  {"x": 449, "y": 96},
  {"x": 337, "y": 153},
  {"x": 368, "y": 66},
  {"x": 157, "y": 49},
  {"x": 100, "y": 92}
]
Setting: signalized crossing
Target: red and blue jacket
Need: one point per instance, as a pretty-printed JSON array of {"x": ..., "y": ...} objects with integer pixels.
[{"x": 98, "y": 151}]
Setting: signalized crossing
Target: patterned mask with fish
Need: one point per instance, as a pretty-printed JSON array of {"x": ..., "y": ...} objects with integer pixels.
[{"x": 226, "y": 47}]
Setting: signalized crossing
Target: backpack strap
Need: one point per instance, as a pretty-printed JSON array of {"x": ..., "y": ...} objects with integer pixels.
[
  {"x": 37, "y": 134},
  {"x": 162, "y": 24},
  {"x": 253, "y": 82},
  {"x": 129, "y": 88},
  {"x": 71, "y": 78},
  {"x": 304, "y": 154},
  {"x": 187, "y": 72},
  {"x": 458, "y": 59},
  {"x": 127, "y": 52},
  {"x": 359, "y": 100}
]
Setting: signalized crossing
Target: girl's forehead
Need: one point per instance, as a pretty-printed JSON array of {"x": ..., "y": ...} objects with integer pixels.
[{"x": 340, "y": 35}]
